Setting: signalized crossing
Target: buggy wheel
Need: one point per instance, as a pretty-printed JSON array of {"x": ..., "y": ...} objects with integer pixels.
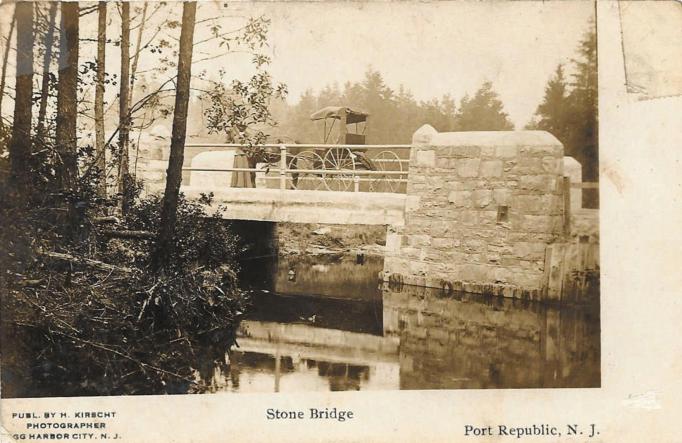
[
  {"x": 306, "y": 180},
  {"x": 342, "y": 160},
  {"x": 387, "y": 161}
]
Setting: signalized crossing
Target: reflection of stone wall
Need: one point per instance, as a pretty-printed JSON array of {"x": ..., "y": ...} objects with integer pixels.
[
  {"x": 481, "y": 209},
  {"x": 452, "y": 342}
]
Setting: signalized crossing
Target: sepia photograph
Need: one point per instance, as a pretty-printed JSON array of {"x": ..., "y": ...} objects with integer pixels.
[{"x": 279, "y": 197}]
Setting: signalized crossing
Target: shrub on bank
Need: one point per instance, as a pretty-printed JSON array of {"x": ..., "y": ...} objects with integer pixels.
[{"x": 89, "y": 317}]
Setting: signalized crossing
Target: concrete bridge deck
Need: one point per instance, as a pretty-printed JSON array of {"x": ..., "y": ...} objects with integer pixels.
[{"x": 299, "y": 206}]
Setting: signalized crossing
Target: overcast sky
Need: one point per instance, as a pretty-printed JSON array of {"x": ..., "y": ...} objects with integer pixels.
[{"x": 432, "y": 48}]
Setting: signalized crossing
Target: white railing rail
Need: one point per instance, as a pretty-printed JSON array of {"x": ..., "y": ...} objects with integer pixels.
[
  {"x": 302, "y": 145},
  {"x": 284, "y": 172}
]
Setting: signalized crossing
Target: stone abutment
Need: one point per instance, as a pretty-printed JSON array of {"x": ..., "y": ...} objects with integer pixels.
[{"x": 481, "y": 210}]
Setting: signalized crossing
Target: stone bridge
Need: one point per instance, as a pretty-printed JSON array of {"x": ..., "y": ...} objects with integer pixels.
[{"x": 483, "y": 212}]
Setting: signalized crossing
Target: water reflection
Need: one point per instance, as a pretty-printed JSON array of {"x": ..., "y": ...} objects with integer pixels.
[
  {"x": 331, "y": 328},
  {"x": 460, "y": 341},
  {"x": 265, "y": 372},
  {"x": 340, "y": 276}
]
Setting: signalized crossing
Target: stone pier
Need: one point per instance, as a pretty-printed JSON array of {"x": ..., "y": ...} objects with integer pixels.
[{"x": 481, "y": 209}]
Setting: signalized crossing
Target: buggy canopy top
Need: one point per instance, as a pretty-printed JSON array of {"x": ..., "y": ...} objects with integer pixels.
[{"x": 352, "y": 116}]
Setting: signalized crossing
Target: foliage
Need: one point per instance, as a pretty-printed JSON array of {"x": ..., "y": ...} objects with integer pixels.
[
  {"x": 241, "y": 111},
  {"x": 201, "y": 239},
  {"x": 81, "y": 307},
  {"x": 78, "y": 329},
  {"x": 551, "y": 113},
  {"x": 394, "y": 115},
  {"x": 483, "y": 112},
  {"x": 583, "y": 104},
  {"x": 570, "y": 111}
]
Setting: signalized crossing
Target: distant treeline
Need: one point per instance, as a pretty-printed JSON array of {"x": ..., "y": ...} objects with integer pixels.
[
  {"x": 568, "y": 110},
  {"x": 394, "y": 115}
]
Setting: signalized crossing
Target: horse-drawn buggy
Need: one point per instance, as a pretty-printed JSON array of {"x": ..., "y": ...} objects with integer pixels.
[{"x": 338, "y": 167}]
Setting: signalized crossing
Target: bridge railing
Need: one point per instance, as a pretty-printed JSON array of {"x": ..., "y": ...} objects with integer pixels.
[{"x": 351, "y": 168}]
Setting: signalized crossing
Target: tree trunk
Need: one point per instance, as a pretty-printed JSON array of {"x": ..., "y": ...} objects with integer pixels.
[
  {"x": 174, "y": 173},
  {"x": 124, "y": 179},
  {"x": 100, "y": 154},
  {"x": 67, "y": 97},
  {"x": 136, "y": 57},
  {"x": 133, "y": 72},
  {"x": 20, "y": 144},
  {"x": 5, "y": 58},
  {"x": 45, "y": 86}
]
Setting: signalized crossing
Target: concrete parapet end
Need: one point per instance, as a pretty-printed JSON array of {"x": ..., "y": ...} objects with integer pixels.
[
  {"x": 423, "y": 135},
  {"x": 212, "y": 160}
]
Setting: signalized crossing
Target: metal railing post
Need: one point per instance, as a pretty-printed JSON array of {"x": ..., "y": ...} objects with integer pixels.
[
  {"x": 356, "y": 183},
  {"x": 282, "y": 167}
]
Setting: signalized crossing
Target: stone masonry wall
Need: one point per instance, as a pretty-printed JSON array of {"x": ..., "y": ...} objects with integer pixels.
[{"x": 481, "y": 209}]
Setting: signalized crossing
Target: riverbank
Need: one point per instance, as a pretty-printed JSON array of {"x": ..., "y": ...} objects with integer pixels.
[
  {"x": 317, "y": 239},
  {"x": 94, "y": 318}
]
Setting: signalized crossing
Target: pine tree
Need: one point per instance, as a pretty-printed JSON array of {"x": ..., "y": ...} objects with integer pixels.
[
  {"x": 569, "y": 112},
  {"x": 449, "y": 112},
  {"x": 99, "y": 96},
  {"x": 20, "y": 144},
  {"x": 409, "y": 116},
  {"x": 45, "y": 80},
  {"x": 551, "y": 114},
  {"x": 583, "y": 103},
  {"x": 5, "y": 59},
  {"x": 174, "y": 174},
  {"x": 329, "y": 96},
  {"x": 483, "y": 112},
  {"x": 124, "y": 178},
  {"x": 67, "y": 102},
  {"x": 394, "y": 115},
  {"x": 300, "y": 127}
]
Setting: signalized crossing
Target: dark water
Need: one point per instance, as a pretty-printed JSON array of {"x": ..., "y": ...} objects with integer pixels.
[{"x": 325, "y": 324}]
